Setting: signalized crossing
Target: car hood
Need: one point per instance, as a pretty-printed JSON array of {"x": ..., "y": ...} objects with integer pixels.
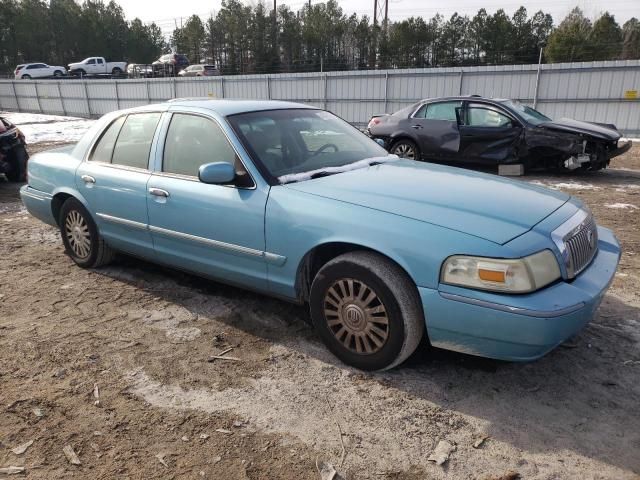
[
  {"x": 478, "y": 204},
  {"x": 577, "y": 126}
]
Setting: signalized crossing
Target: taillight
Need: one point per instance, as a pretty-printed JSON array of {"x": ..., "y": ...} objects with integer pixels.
[{"x": 374, "y": 121}]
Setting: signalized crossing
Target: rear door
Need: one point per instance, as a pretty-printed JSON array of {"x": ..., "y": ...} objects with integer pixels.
[
  {"x": 489, "y": 135},
  {"x": 114, "y": 179},
  {"x": 436, "y": 129}
]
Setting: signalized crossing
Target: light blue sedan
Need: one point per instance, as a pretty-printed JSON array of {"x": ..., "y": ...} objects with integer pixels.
[{"x": 292, "y": 201}]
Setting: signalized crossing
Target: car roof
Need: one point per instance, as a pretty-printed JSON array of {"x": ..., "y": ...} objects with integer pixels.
[
  {"x": 463, "y": 97},
  {"x": 227, "y": 107}
]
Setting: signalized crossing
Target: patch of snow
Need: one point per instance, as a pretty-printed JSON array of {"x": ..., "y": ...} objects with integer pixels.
[
  {"x": 625, "y": 139},
  {"x": 565, "y": 185},
  {"x": 299, "y": 177},
  {"x": 39, "y": 128},
  {"x": 622, "y": 206},
  {"x": 30, "y": 118}
]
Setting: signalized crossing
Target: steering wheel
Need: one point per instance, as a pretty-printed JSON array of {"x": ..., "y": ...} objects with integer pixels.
[{"x": 323, "y": 148}]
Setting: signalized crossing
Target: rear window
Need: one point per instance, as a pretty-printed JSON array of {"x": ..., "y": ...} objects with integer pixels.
[
  {"x": 209, "y": 68},
  {"x": 134, "y": 141}
]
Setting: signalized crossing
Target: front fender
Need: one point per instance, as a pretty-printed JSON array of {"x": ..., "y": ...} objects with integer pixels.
[{"x": 297, "y": 222}]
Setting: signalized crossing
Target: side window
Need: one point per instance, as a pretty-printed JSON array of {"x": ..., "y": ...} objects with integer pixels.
[
  {"x": 442, "y": 111},
  {"x": 92, "y": 61},
  {"x": 421, "y": 112},
  {"x": 104, "y": 148},
  {"x": 134, "y": 142},
  {"x": 193, "y": 141},
  {"x": 32, "y": 67},
  {"x": 484, "y": 117},
  {"x": 100, "y": 61}
]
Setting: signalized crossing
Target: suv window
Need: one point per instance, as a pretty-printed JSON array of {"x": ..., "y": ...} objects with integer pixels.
[
  {"x": 34, "y": 66},
  {"x": 134, "y": 142},
  {"x": 193, "y": 141},
  {"x": 480, "y": 116},
  {"x": 104, "y": 148}
]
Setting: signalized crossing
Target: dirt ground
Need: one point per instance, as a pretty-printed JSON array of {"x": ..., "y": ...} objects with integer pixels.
[{"x": 113, "y": 363}]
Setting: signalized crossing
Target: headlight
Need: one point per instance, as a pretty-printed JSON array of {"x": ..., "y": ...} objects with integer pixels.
[{"x": 514, "y": 276}]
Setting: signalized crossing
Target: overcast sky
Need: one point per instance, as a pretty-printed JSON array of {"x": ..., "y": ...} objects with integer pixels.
[{"x": 166, "y": 13}]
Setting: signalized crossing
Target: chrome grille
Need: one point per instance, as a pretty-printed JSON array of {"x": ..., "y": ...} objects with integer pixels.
[
  {"x": 577, "y": 240},
  {"x": 582, "y": 247}
]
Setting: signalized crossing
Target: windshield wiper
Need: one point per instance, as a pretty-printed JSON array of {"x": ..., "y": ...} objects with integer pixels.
[{"x": 322, "y": 173}]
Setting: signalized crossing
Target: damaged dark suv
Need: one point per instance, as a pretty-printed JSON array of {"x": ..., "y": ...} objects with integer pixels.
[
  {"x": 477, "y": 130},
  {"x": 13, "y": 152}
]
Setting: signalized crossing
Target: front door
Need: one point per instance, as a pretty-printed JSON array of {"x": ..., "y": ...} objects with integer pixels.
[
  {"x": 216, "y": 230},
  {"x": 488, "y": 135},
  {"x": 114, "y": 179}
]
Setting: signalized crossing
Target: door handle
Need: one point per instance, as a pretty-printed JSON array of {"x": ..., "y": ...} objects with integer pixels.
[
  {"x": 416, "y": 126},
  {"x": 88, "y": 179},
  {"x": 158, "y": 192}
]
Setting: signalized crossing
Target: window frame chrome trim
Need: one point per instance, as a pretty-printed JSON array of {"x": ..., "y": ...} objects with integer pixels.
[{"x": 123, "y": 221}]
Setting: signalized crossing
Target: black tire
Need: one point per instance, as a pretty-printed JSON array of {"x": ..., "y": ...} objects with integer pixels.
[
  {"x": 98, "y": 252},
  {"x": 26, "y": 77},
  {"x": 57, "y": 73},
  {"x": 402, "y": 148},
  {"x": 80, "y": 73},
  {"x": 394, "y": 293},
  {"x": 116, "y": 72},
  {"x": 18, "y": 172}
]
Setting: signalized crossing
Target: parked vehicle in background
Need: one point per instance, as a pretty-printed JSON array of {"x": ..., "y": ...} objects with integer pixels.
[
  {"x": 97, "y": 66},
  {"x": 199, "y": 71},
  {"x": 485, "y": 131},
  {"x": 138, "y": 70},
  {"x": 13, "y": 152},
  {"x": 292, "y": 201},
  {"x": 170, "y": 64},
  {"x": 28, "y": 71}
]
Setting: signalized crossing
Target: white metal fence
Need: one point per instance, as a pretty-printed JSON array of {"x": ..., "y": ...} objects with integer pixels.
[{"x": 594, "y": 91}]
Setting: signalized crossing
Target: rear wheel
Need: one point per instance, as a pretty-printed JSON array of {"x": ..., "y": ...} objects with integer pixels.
[
  {"x": 366, "y": 310},
  {"x": 26, "y": 77},
  {"x": 57, "y": 73},
  {"x": 406, "y": 149},
  {"x": 18, "y": 172},
  {"x": 80, "y": 236},
  {"x": 116, "y": 72}
]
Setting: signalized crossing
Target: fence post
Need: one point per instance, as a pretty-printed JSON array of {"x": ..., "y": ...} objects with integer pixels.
[
  {"x": 386, "y": 91},
  {"x": 175, "y": 88},
  {"x": 460, "y": 84},
  {"x": 38, "y": 97},
  {"x": 64, "y": 110},
  {"x": 86, "y": 96},
  {"x": 148, "y": 91},
  {"x": 325, "y": 91},
  {"x": 268, "y": 87},
  {"x": 117, "y": 95},
  {"x": 222, "y": 85},
  {"x": 15, "y": 94},
  {"x": 535, "y": 93}
]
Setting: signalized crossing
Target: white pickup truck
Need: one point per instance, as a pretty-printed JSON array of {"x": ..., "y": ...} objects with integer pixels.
[{"x": 97, "y": 66}]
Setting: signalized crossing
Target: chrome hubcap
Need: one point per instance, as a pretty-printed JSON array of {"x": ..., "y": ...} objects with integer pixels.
[
  {"x": 405, "y": 151},
  {"x": 77, "y": 232},
  {"x": 356, "y": 316}
]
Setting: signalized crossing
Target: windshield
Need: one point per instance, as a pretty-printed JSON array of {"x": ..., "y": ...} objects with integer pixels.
[
  {"x": 529, "y": 114},
  {"x": 295, "y": 141}
]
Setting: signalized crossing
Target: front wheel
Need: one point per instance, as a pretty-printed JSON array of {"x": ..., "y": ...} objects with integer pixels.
[
  {"x": 366, "y": 310},
  {"x": 80, "y": 236},
  {"x": 406, "y": 149}
]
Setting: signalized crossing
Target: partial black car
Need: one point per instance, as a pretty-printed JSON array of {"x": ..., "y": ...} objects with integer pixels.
[
  {"x": 489, "y": 132},
  {"x": 13, "y": 152},
  {"x": 169, "y": 65}
]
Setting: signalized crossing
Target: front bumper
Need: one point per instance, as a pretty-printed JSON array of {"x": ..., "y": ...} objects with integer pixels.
[
  {"x": 623, "y": 147},
  {"x": 519, "y": 327}
]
